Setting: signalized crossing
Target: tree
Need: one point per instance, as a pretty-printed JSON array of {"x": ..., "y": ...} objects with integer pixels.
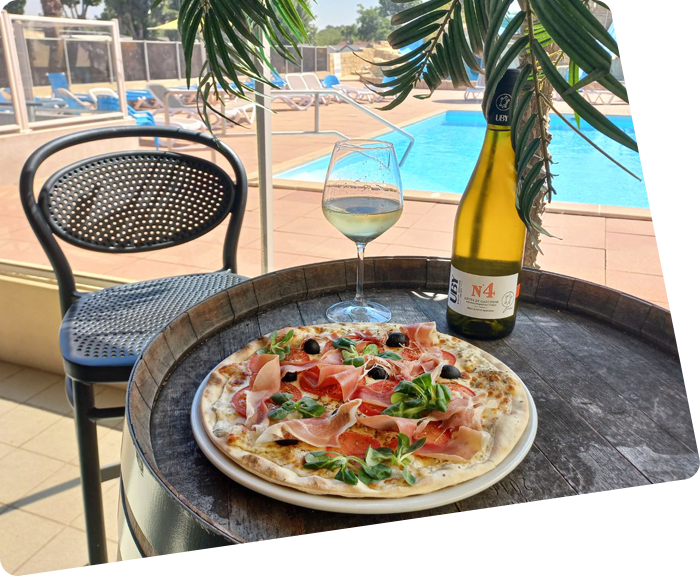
[
  {"x": 332, "y": 35},
  {"x": 52, "y": 8},
  {"x": 371, "y": 25},
  {"x": 78, "y": 8},
  {"x": 388, "y": 8},
  {"x": 136, "y": 17},
  {"x": 16, "y": 6}
]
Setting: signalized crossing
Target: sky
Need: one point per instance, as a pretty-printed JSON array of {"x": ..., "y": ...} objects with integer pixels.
[{"x": 328, "y": 12}]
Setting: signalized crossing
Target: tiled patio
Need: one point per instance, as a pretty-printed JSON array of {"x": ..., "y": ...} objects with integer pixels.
[{"x": 41, "y": 520}]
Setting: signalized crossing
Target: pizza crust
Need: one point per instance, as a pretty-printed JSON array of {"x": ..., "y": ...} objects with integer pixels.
[{"x": 509, "y": 428}]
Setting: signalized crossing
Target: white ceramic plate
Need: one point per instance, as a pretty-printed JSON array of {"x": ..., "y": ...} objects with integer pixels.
[{"x": 365, "y": 505}]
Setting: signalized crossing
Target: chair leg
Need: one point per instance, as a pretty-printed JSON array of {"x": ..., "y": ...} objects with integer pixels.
[{"x": 86, "y": 431}]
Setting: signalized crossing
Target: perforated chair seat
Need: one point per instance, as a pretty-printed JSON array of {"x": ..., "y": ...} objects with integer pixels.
[{"x": 104, "y": 332}]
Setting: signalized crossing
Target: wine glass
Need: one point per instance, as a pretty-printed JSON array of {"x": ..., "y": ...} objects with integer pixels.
[{"x": 362, "y": 198}]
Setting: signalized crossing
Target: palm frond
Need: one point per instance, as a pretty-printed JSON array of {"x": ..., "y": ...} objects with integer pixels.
[{"x": 233, "y": 43}]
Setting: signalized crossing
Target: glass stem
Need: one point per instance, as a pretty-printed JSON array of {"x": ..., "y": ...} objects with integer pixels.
[{"x": 360, "y": 292}]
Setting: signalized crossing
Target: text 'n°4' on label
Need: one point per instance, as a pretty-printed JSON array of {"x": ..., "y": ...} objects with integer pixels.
[{"x": 485, "y": 297}]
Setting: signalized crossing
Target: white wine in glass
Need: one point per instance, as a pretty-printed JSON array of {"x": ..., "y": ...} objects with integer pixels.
[{"x": 362, "y": 198}]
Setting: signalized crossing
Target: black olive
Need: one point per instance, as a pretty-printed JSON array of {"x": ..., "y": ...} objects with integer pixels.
[
  {"x": 289, "y": 377},
  {"x": 396, "y": 339},
  {"x": 288, "y": 442},
  {"x": 312, "y": 347},
  {"x": 378, "y": 373},
  {"x": 450, "y": 372}
]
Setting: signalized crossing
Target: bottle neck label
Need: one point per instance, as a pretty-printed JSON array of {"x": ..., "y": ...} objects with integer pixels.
[
  {"x": 499, "y": 111},
  {"x": 484, "y": 297}
]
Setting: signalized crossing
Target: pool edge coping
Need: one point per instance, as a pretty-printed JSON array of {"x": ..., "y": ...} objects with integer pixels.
[{"x": 570, "y": 208}]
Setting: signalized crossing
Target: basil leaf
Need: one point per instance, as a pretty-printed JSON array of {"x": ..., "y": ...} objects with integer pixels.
[
  {"x": 404, "y": 443},
  {"x": 309, "y": 408},
  {"x": 316, "y": 460},
  {"x": 389, "y": 355},
  {"x": 408, "y": 409},
  {"x": 287, "y": 337},
  {"x": 424, "y": 381},
  {"x": 377, "y": 472},
  {"x": 290, "y": 405},
  {"x": 352, "y": 353},
  {"x": 417, "y": 445},
  {"x": 278, "y": 414},
  {"x": 407, "y": 476},
  {"x": 346, "y": 475},
  {"x": 344, "y": 343},
  {"x": 376, "y": 456},
  {"x": 370, "y": 350},
  {"x": 280, "y": 398},
  {"x": 356, "y": 362},
  {"x": 364, "y": 478}
]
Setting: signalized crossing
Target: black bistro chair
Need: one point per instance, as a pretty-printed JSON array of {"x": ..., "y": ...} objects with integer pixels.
[{"x": 124, "y": 202}]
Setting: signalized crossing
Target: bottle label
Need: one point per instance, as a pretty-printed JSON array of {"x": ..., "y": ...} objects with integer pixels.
[{"x": 485, "y": 297}]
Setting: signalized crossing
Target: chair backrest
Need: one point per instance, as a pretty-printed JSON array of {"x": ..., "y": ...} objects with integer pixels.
[
  {"x": 276, "y": 79},
  {"x": 330, "y": 81},
  {"x": 57, "y": 80},
  {"x": 312, "y": 81},
  {"x": 159, "y": 94},
  {"x": 296, "y": 82},
  {"x": 132, "y": 201}
]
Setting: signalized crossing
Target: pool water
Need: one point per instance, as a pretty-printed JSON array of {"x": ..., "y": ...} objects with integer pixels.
[{"x": 447, "y": 146}]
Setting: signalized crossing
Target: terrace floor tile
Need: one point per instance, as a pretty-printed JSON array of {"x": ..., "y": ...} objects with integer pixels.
[
  {"x": 645, "y": 286},
  {"x": 22, "y": 535},
  {"x": 24, "y": 423},
  {"x": 25, "y": 383},
  {"x": 20, "y": 471}
]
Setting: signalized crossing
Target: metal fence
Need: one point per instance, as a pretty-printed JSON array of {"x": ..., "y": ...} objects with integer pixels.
[
  {"x": 49, "y": 68},
  {"x": 313, "y": 59}
]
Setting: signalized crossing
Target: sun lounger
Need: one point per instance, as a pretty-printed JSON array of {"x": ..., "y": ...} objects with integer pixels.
[
  {"x": 314, "y": 83},
  {"x": 477, "y": 91},
  {"x": 296, "y": 81}
]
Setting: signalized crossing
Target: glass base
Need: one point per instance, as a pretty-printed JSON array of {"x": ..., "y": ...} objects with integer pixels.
[{"x": 352, "y": 311}]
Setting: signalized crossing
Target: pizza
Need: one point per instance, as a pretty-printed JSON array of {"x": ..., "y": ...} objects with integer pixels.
[{"x": 364, "y": 410}]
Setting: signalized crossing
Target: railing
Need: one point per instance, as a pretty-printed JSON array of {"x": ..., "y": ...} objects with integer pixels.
[{"x": 317, "y": 115}]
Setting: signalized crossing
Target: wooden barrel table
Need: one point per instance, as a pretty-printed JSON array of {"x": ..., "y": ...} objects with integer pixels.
[{"x": 602, "y": 367}]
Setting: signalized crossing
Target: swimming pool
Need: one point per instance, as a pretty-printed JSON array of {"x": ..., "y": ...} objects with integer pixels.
[{"x": 447, "y": 146}]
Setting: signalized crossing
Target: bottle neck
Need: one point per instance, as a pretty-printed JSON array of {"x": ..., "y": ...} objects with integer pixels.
[{"x": 497, "y": 128}]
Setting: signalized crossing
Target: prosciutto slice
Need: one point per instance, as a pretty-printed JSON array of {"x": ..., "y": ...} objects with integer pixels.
[
  {"x": 266, "y": 383},
  {"x": 462, "y": 447},
  {"x": 319, "y": 432},
  {"x": 460, "y": 412},
  {"x": 406, "y": 426},
  {"x": 257, "y": 361},
  {"x": 373, "y": 396},
  {"x": 422, "y": 334},
  {"x": 346, "y": 376}
]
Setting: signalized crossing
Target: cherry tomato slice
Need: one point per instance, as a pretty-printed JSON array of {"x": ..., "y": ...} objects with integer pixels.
[
  {"x": 410, "y": 354},
  {"x": 459, "y": 389},
  {"x": 296, "y": 357},
  {"x": 287, "y": 388},
  {"x": 370, "y": 409},
  {"x": 334, "y": 391},
  {"x": 355, "y": 444},
  {"x": 433, "y": 434}
]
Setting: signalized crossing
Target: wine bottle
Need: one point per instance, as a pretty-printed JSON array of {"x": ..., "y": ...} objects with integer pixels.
[{"x": 489, "y": 237}]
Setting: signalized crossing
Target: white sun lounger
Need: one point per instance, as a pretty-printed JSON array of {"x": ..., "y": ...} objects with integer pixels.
[{"x": 477, "y": 92}]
